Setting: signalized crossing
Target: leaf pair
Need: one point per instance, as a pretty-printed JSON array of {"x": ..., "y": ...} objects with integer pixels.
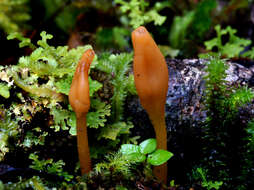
[{"x": 146, "y": 150}]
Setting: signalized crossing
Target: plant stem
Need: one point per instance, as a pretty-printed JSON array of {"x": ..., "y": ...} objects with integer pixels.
[
  {"x": 161, "y": 136},
  {"x": 83, "y": 148}
]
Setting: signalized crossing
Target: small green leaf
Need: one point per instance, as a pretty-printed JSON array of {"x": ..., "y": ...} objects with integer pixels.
[
  {"x": 112, "y": 131},
  {"x": 148, "y": 146},
  {"x": 93, "y": 86},
  {"x": 98, "y": 117},
  {"x": 129, "y": 149},
  {"x": 136, "y": 157},
  {"x": 23, "y": 41},
  {"x": 233, "y": 47},
  {"x": 118, "y": 187},
  {"x": 179, "y": 29},
  {"x": 159, "y": 157},
  {"x": 132, "y": 152},
  {"x": 4, "y": 90},
  {"x": 73, "y": 130},
  {"x": 168, "y": 51}
]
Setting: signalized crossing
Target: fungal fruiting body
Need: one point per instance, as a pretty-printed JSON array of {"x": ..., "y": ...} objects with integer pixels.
[
  {"x": 151, "y": 81},
  {"x": 80, "y": 103}
]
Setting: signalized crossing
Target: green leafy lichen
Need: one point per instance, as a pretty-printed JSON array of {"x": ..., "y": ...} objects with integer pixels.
[
  {"x": 138, "y": 13},
  {"x": 23, "y": 41},
  {"x": 42, "y": 81},
  {"x": 232, "y": 48},
  {"x": 97, "y": 118},
  {"x": 112, "y": 131},
  {"x": 54, "y": 66}
]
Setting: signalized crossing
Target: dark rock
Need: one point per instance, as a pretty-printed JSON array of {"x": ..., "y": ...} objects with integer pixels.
[
  {"x": 185, "y": 94},
  {"x": 185, "y": 110}
]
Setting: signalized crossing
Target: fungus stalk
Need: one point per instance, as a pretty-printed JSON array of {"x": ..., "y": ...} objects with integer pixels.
[
  {"x": 151, "y": 81},
  {"x": 80, "y": 103}
]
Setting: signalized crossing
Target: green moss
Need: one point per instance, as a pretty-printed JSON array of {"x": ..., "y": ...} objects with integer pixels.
[{"x": 224, "y": 130}]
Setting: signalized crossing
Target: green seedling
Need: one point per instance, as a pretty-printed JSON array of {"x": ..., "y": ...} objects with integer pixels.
[{"x": 146, "y": 151}]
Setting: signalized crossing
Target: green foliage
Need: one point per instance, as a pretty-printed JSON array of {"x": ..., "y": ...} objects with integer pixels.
[
  {"x": 52, "y": 6},
  {"x": 112, "y": 131},
  {"x": 223, "y": 123},
  {"x": 97, "y": 118},
  {"x": 102, "y": 5},
  {"x": 249, "y": 53},
  {"x": 215, "y": 79},
  {"x": 121, "y": 188},
  {"x": 202, "y": 19},
  {"x": 220, "y": 96},
  {"x": 23, "y": 41},
  {"x": 119, "y": 171},
  {"x": 250, "y": 131},
  {"x": 31, "y": 139},
  {"x": 47, "y": 60},
  {"x": 232, "y": 48},
  {"x": 115, "y": 37},
  {"x": 8, "y": 128},
  {"x": 1, "y": 185},
  {"x": 44, "y": 79},
  {"x": 201, "y": 174},
  {"x": 65, "y": 19},
  {"x": 132, "y": 152},
  {"x": 192, "y": 24},
  {"x": 32, "y": 183},
  {"x": 128, "y": 164},
  {"x": 4, "y": 90},
  {"x": 5, "y": 83},
  {"x": 118, "y": 66},
  {"x": 147, "y": 148},
  {"x": 49, "y": 166},
  {"x": 179, "y": 29},
  {"x": 138, "y": 13},
  {"x": 216, "y": 74},
  {"x": 116, "y": 165},
  {"x": 55, "y": 66},
  {"x": 13, "y": 15},
  {"x": 168, "y": 51},
  {"x": 249, "y": 154},
  {"x": 159, "y": 157},
  {"x": 240, "y": 97}
]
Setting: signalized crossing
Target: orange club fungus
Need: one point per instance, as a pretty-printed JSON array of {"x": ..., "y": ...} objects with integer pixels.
[
  {"x": 80, "y": 103},
  {"x": 151, "y": 81}
]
